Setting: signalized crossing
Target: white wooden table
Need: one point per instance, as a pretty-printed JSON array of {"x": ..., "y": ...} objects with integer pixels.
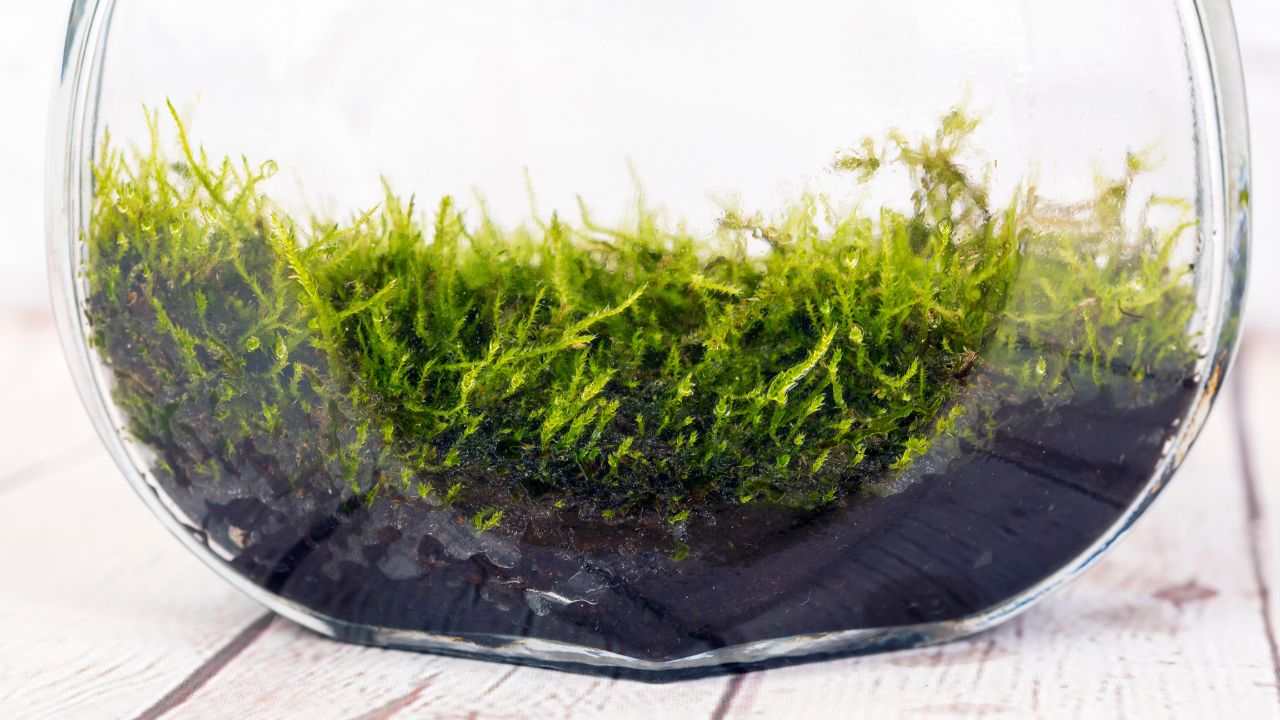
[{"x": 103, "y": 615}]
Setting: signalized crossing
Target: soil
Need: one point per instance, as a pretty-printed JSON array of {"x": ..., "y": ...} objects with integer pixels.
[{"x": 991, "y": 523}]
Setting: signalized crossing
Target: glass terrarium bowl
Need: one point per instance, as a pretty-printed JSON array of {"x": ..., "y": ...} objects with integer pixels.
[{"x": 658, "y": 337}]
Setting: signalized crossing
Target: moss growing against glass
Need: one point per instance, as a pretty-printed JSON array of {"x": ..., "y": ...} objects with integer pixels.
[{"x": 798, "y": 357}]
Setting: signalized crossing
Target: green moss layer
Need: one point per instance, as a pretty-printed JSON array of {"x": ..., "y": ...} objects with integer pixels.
[{"x": 789, "y": 358}]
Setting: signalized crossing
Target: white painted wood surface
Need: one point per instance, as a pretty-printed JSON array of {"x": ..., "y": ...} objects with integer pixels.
[{"x": 102, "y": 615}]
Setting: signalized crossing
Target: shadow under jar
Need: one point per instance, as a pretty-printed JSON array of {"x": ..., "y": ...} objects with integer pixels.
[{"x": 654, "y": 338}]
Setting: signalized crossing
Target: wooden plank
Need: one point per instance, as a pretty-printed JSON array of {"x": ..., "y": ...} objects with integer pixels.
[
  {"x": 40, "y": 413},
  {"x": 1258, "y": 426},
  {"x": 1170, "y": 625},
  {"x": 113, "y": 618},
  {"x": 291, "y": 672},
  {"x": 103, "y": 615},
  {"x": 101, "y": 612}
]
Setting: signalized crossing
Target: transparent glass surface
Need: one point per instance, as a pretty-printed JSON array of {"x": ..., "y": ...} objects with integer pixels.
[{"x": 655, "y": 338}]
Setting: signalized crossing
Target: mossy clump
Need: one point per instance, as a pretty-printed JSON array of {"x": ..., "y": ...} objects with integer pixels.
[{"x": 791, "y": 358}]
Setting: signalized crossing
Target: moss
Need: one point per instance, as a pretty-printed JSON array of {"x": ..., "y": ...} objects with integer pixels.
[{"x": 791, "y": 358}]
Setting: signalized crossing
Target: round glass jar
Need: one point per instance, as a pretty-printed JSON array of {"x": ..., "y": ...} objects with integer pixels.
[{"x": 657, "y": 338}]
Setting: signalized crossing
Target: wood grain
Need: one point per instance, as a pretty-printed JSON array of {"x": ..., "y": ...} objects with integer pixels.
[
  {"x": 102, "y": 615},
  {"x": 314, "y": 678},
  {"x": 101, "y": 612},
  {"x": 1257, "y": 424}
]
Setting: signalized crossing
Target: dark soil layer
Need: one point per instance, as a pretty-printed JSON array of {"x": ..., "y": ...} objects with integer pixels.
[{"x": 999, "y": 519}]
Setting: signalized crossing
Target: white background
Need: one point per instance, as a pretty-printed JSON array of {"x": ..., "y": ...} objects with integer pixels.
[{"x": 31, "y": 39}]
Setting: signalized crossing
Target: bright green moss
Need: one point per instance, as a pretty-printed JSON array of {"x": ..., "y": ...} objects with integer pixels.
[{"x": 447, "y": 359}]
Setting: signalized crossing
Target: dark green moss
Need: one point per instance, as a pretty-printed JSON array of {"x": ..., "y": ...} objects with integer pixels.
[{"x": 793, "y": 358}]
